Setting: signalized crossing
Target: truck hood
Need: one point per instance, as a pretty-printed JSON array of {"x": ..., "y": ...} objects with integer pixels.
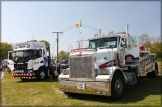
[
  {"x": 105, "y": 55},
  {"x": 102, "y": 55}
]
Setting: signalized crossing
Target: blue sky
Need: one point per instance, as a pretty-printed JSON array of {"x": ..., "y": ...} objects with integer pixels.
[{"x": 20, "y": 20}]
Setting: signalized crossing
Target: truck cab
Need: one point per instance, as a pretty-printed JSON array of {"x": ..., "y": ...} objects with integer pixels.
[{"x": 30, "y": 60}]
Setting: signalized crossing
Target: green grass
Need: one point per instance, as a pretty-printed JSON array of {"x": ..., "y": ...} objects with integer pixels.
[{"x": 147, "y": 92}]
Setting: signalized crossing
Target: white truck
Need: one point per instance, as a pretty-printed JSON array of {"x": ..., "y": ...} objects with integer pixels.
[
  {"x": 30, "y": 60},
  {"x": 109, "y": 64},
  {"x": 9, "y": 65}
]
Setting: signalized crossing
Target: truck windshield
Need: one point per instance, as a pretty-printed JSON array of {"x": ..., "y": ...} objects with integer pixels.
[
  {"x": 103, "y": 43},
  {"x": 23, "y": 55}
]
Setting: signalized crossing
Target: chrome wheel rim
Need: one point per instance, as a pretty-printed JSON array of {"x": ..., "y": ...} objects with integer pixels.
[
  {"x": 118, "y": 86},
  {"x": 42, "y": 75}
]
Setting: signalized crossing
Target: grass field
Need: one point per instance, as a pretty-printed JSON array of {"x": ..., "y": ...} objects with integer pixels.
[{"x": 147, "y": 92}]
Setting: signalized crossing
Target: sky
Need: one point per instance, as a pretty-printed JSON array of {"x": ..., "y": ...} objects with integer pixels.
[{"x": 22, "y": 21}]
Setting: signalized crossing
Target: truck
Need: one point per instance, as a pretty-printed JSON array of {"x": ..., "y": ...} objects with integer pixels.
[
  {"x": 64, "y": 64},
  {"x": 31, "y": 59},
  {"x": 9, "y": 64},
  {"x": 110, "y": 62}
]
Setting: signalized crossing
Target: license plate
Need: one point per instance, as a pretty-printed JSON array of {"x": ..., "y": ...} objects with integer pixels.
[{"x": 81, "y": 85}]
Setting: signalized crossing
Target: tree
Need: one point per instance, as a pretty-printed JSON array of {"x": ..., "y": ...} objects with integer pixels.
[
  {"x": 67, "y": 55},
  {"x": 4, "y": 48},
  {"x": 46, "y": 42},
  {"x": 63, "y": 55},
  {"x": 145, "y": 40},
  {"x": 155, "y": 39},
  {"x": 156, "y": 48}
]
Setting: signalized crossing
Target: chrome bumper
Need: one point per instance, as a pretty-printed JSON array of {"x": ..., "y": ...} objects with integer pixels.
[{"x": 95, "y": 88}]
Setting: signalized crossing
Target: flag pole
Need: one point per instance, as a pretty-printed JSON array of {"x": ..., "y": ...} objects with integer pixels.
[{"x": 81, "y": 40}]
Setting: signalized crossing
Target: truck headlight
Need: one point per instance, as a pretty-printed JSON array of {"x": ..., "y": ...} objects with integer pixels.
[
  {"x": 102, "y": 72},
  {"x": 65, "y": 71}
]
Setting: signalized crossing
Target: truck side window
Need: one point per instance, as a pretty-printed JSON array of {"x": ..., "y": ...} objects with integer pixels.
[
  {"x": 38, "y": 54},
  {"x": 122, "y": 42},
  {"x": 43, "y": 52},
  {"x": 10, "y": 56}
]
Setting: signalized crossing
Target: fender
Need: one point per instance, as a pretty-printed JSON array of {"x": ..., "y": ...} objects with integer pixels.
[{"x": 113, "y": 71}]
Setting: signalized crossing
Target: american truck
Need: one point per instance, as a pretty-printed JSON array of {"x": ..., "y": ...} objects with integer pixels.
[
  {"x": 109, "y": 64},
  {"x": 31, "y": 59}
]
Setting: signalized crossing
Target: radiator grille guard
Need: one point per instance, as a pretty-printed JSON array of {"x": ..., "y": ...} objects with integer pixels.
[{"x": 81, "y": 67}]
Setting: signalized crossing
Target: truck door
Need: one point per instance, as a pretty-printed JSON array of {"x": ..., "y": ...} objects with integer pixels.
[
  {"x": 10, "y": 56},
  {"x": 9, "y": 62},
  {"x": 38, "y": 59},
  {"x": 131, "y": 52}
]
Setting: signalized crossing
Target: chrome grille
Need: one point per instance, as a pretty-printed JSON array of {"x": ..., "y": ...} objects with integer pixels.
[{"x": 81, "y": 66}]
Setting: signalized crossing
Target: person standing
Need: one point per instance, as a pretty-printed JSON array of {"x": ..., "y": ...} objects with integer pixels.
[
  {"x": 51, "y": 72},
  {"x": 1, "y": 67},
  {"x": 58, "y": 68}
]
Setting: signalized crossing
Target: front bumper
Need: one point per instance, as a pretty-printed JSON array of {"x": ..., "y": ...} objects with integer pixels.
[
  {"x": 23, "y": 75},
  {"x": 95, "y": 88}
]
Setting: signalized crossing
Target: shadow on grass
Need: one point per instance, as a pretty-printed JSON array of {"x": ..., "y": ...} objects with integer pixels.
[
  {"x": 55, "y": 79},
  {"x": 134, "y": 93}
]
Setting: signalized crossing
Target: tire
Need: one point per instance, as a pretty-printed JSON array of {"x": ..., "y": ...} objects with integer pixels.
[
  {"x": 42, "y": 74},
  {"x": 154, "y": 73},
  {"x": 117, "y": 86}
]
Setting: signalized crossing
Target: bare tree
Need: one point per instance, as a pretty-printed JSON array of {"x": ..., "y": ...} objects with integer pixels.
[
  {"x": 155, "y": 39},
  {"x": 143, "y": 39}
]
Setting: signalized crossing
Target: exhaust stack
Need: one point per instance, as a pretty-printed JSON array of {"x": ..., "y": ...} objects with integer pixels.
[
  {"x": 127, "y": 29},
  {"x": 99, "y": 32}
]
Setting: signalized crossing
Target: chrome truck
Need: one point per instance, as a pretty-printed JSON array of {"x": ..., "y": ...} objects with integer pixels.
[
  {"x": 109, "y": 64},
  {"x": 31, "y": 59}
]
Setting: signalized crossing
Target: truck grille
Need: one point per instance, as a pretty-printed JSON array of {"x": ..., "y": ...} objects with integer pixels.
[
  {"x": 81, "y": 67},
  {"x": 20, "y": 66}
]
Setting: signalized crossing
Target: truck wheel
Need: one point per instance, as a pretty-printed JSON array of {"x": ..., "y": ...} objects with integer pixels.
[
  {"x": 117, "y": 86},
  {"x": 42, "y": 74},
  {"x": 154, "y": 73}
]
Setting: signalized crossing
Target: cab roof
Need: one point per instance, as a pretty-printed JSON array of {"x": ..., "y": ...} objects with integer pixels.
[{"x": 107, "y": 36}]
